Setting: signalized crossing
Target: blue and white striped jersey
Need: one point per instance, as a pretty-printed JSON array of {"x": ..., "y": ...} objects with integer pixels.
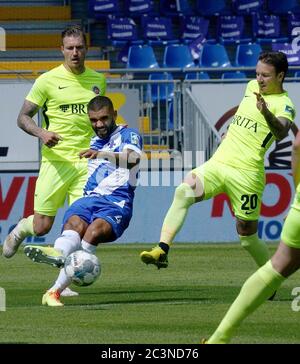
[{"x": 117, "y": 184}]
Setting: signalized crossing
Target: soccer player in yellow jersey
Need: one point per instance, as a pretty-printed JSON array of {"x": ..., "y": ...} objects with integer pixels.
[
  {"x": 270, "y": 276},
  {"x": 63, "y": 94},
  {"x": 237, "y": 167}
]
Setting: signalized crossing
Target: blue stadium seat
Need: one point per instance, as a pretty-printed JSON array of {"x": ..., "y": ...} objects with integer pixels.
[
  {"x": 266, "y": 29},
  {"x": 293, "y": 54},
  {"x": 293, "y": 23},
  {"x": 174, "y": 7},
  {"x": 209, "y": 8},
  {"x": 191, "y": 27},
  {"x": 161, "y": 91},
  {"x": 297, "y": 74},
  {"x": 141, "y": 56},
  {"x": 139, "y": 7},
  {"x": 122, "y": 31},
  {"x": 243, "y": 7},
  {"x": 197, "y": 76},
  {"x": 100, "y": 9},
  {"x": 158, "y": 30},
  {"x": 282, "y": 7},
  {"x": 161, "y": 96},
  {"x": 177, "y": 56},
  {"x": 214, "y": 55},
  {"x": 231, "y": 29},
  {"x": 247, "y": 54}
]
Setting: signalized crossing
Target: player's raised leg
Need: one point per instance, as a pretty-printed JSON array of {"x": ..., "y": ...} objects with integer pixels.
[
  {"x": 185, "y": 196},
  {"x": 33, "y": 225}
]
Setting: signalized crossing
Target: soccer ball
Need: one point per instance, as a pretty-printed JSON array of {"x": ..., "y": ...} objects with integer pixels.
[{"x": 82, "y": 267}]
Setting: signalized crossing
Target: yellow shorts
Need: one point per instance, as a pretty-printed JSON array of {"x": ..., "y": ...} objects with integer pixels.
[
  {"x": 290, "y": 234},
  {"x": 244, "y": 188},
  {"x": 57, "y": 181}
]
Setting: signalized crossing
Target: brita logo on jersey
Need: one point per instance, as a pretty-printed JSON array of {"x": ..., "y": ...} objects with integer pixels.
[{"x": 74, "y": 108}]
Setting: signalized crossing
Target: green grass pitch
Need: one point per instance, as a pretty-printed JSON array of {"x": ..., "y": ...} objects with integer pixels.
[{"x": 132, "y": 303}]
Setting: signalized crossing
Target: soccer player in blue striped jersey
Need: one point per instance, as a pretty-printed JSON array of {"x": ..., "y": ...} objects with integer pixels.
[{"x": 105, "y": 210}]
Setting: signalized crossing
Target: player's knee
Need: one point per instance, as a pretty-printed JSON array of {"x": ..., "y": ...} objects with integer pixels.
[
  {"x": 76, "y": 224},
  {"x": 42, "y": 229},
  {"x": 196, "y": 185},
  {"x": 42, "y": 224},
  {"x": 246, "y": 228},
  {"x": 185, "y": 193},
  {"x": 100, "y": 233}
]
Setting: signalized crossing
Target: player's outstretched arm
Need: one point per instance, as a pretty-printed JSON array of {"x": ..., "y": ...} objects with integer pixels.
[
  {"x": 278, "y": 126},
  {"x": 88, "y": 153},
  {"x": 126, "y": 159}
]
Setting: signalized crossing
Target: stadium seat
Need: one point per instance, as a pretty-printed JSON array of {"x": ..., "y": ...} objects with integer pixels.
[
  {"x": 242, "y": 7},
  {"x": 139, "y": 7},
  {"x": 100, "y": 9},
  {"x": 141, "y": 56},
  {"x": 122, "y": 31},
  {"x": 247, "y": 54},
  {"x": 196, "y": 47},
  {"x": 266, "y": 29},
  {"x": 161, "y": 91},
  {"x": 191, "y": 27},
  {"x": 174, "y": 7},
  {"x": 177, "y": 56},
  {"x": 197, "y": 76},
  {"x": 158, "y": 30},
  {"x": 282, "y": 7},
  {"x": 209, "y": 8},
  {"x": 293, "y": 24},
  {"x": 161, "y": 96},
  {"x": 231, "y": 29},
  {"x": 214, "y": 55},
  {"x": 293, "y": 54}
]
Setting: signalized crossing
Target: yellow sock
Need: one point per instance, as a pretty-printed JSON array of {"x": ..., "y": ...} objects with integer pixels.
[
  {"x": 255, "y": 291},
  {"x": 256, "y": 248},
  {"x": 183, "y": 198}
]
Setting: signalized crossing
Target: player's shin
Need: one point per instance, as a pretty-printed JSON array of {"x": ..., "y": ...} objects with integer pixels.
[
  {"x": 256, "y": 248},
  {"x": 255, "y": 291},
  {"x": 62, "y": 282},
  {"x": 183, "y": 198}
]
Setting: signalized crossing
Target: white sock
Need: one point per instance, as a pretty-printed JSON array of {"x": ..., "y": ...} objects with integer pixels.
[
  {"x": 68, "y": 242},
  {"x": 61, "y": 282},
  {"x": 88, "y": 247}
]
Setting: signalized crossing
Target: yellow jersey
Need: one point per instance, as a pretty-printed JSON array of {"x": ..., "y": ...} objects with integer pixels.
[
  {"x": 249, "y": 136},
  {"x": 63, "y": 97}
]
